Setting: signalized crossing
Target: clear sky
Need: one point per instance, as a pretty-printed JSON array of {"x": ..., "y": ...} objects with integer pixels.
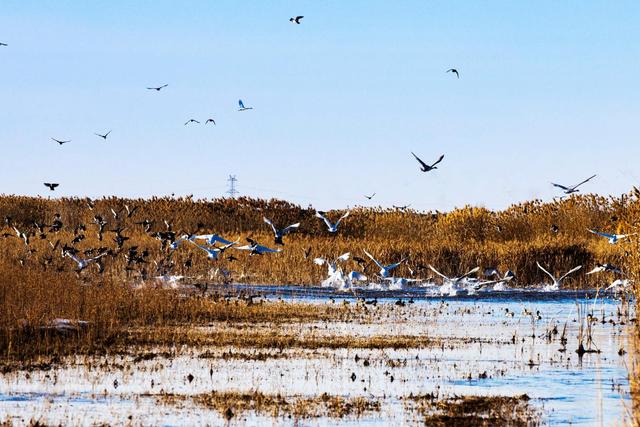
[{"x": 548, "y": 91}]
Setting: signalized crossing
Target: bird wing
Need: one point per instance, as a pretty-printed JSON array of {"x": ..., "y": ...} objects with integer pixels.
[
  {"x": 392, "y": 266},
  {"x": 244, "y": 248},
  {"x": 201, "y": 247},
  {"x": 345, "y": 256},
  {"x": 240, "y": 103},
  {"x": 559, "y": 186},
  {"x": 426, "y": 166},
  {"x": 326, "y": 221},
  {"x": 573, "y": 270},
  {"x": 438, "y": 161},
  {"x": 357, "y": 276},
  {"x": 266, "y": 220},
  {"x": 215, "y": 238},
  {"x": 624, "y": 236},
  {"x": 549, "y": 274},
  {"x": 346, "y": 214},
  {"x": 291, "y": 228},
  {"x": 608, "y": 236},
  {"x": 588, "y": 179},
  {"x": 470, "y": 272},
  {"x": 374, "y": 260},
  {"x": 261, "y": 248},
  {"x": 595, "y": 270},
  {"x": 438, "y": 273},
  {"x": 319, "y": 261}
]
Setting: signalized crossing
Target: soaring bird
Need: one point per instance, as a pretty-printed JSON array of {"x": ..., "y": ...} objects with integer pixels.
[
  {"x": 557, "y": 282},
  {"x": 572, "y": 188},
  {"x": 296, "y": 20},
  {"x": 103, "y": 136},
  {"x": 599, "y": 268},
  {"x": 256, "y": 249},
  {"x": 242, "y": 107},
  {"x": 613, "y": 238},
  {"x": 191, "y": 121},
  {"x": 332, "y": 266},
  {"x": 370, "y": 197},
  {"x": 425, "y": 167},
  {"x": 52, "y": 185},
  {"x": 3, "y": 44},
  {"x": 158, "y": 87},
  {"x": 84, "y": 263},
  {"x": 332, "y": 227},
  {"x": 384, "y": 269},
  {"x": 211, "y": 239},
  {"x": 210, "y": 121},
  {"x": 280, "y": 233},
  {"x": 454, "y": 71},
  {"x": 212, "y": 253},
  {"x": 61, "y": 141}
]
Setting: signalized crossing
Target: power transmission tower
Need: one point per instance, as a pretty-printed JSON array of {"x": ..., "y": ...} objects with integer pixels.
[{"x": 232, "y": 186}]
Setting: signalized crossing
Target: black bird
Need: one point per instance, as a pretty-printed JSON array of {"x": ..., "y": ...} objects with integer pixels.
[
  {"x": 191, "y": 121},
  {"x": 454, "y": 71},
  {"x": 3, "y": 44},
  {"x": 425, "y": 167},
  {"x": 103, "y": 136},
  {"x": 52, "y": 185},
  {"x": 61, "y": 141},
  {"x": 370, "y": 197},
  {"x": 210, "y": 121},
  {"x": 158, "y": 88},
  {"x": 296, "y": 20}
]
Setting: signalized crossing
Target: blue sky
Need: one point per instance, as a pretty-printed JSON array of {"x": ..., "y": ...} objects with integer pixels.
[{"x": 548, "y": 91}]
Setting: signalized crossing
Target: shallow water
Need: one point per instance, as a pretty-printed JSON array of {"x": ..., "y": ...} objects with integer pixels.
[{"x": 485, "y": 351}]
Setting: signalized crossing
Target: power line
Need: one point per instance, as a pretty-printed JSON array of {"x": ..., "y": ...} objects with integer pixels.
[{"x": 232, "y": 186}]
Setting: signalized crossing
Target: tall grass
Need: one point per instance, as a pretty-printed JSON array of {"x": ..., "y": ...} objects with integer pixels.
[{"x": 37, "y": 284}]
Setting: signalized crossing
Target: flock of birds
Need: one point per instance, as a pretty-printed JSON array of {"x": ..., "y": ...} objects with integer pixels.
[{"x": 214, "y": 245}]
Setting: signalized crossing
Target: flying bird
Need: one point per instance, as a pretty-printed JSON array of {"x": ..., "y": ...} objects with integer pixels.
[
  {"x": 384, "y": 269},
  {"x": 212, "y": 253},
  {"x": 332, "y": 227},
  {"x": 599, "y": 268},
  {"x": 573, "y": 188},
  {"x": 158, "y": 88},
  {"x": 370, "y": 197},
  {"x": 191, "y": 121},
  {"x": 453, "y": 71},
  {"x": 557, "y": 282},
  {"x": 61, "y": 141},
  {"x": 83, "y": 263},
  {"x": 3, "y": 44},
  {"x": 613, "y": 238},
  {"x": 296, "y": 20},
  {"x": 256, "y": 249},
  {"x": 103, "y": 136},
  {"x": 242, "y": 107},
  {"x": 451, "y": 285},
  {"x": 425, "y": 167},
  {"x": 280, "y": 233},
  {"x": 52, "y": 185},
  {"x": 332, "y": 265},
  {"x": 210, "y": 121}
]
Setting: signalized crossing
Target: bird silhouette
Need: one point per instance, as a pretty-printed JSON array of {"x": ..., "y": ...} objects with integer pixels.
[
  {"x": 59, "y": 141},
  {"x": 425, "y": 167},
  {"x": 296, "y": 19},
  {"x": 103, "y": 136},
  {"x": 158, "y": 88},
  {"x": 454, "y": 71},
  {"x": 52, "y": 185}
]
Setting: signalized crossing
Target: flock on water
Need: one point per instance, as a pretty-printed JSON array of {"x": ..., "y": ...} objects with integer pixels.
[{"x": 215, "y": 246}]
